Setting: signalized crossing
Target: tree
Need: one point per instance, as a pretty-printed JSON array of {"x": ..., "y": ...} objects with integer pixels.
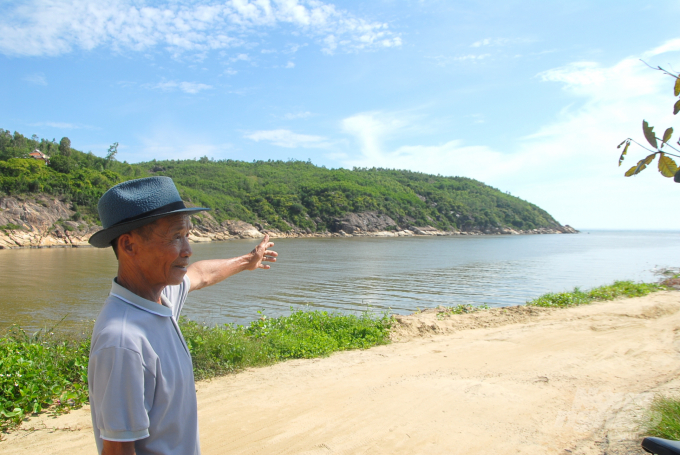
[
  {"x": 111, "y": 154},
  {"x": 63, "y": 164},
  {"x": 666, "y": 165},
  {"x": 65, "y": 146}
]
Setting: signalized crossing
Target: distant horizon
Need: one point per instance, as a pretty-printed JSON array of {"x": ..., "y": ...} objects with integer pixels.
[{"x": 581, "y": 230}]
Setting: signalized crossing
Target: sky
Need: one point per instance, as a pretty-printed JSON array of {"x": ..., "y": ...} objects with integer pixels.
[{"x": 530, "y": 97}]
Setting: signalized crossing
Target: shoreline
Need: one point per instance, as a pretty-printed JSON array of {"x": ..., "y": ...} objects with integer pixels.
[
  {"x": 47, "y": 222},
  {"x": 514, "y": 380},
  {"x": 18, "y": 239}
]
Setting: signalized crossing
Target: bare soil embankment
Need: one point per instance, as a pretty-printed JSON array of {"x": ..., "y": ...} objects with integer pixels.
[{"x": 520, "y": 380}]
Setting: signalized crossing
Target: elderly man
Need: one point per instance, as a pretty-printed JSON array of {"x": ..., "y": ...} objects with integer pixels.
[{"x": 142, "y": 393}]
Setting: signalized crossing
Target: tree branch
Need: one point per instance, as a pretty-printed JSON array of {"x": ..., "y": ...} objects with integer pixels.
[
  {"x": 658, "y": 68},
  {"x": 657, "y": 151}
]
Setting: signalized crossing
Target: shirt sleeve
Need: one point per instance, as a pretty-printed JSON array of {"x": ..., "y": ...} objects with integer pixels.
[
  {"x": 177, "y": 295},
  {"x": 118, "y": 396}
]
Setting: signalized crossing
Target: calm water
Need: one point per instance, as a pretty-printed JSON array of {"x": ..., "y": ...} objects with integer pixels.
[{"x": 38, "y": 287}]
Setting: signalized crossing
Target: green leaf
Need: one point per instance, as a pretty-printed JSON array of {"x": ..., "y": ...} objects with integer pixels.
[
  {"x": 676, "y": 107},
  {"x": 640, "y": 166},
  {"x": 667, "y": 135},
  {"x": 633, "y": 170},
  {"x": 622, "y": 142},
  {"x": 649, "y": 158},
  {"x": 667, "y": 166},
  {"x": 624, "y": 153},
  {"x": 649, "y": 133},
  {"x": 676, "y": 89}
]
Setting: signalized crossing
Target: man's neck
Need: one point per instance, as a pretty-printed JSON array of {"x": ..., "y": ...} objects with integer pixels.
[{"x": 135, "y": 282}]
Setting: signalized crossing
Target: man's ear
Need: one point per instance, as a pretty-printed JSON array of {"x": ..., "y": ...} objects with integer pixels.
[{"x": 127, "y": 244}]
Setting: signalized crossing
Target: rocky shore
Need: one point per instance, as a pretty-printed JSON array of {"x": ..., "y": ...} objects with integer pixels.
[{"x": 44, "y": 222}]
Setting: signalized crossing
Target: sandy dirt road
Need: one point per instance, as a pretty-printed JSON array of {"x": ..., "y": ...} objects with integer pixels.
[{"x": 569, "y": 381}]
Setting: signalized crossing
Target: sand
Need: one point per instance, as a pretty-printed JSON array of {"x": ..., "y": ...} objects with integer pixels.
[{"x": 516, "y": 381}]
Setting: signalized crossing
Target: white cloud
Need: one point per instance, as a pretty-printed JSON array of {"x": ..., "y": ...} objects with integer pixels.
[
  {"x": 239, "y": 58},
  {"x": 297, "y": 115},
  {"x": 484, "y": 42},
  {"x": 293, "y": 48},
  {"x": 498, "y": 42},
  {"x": 288, "y": 139},
  {"x": 462, "y": 58},
  {"x": 175, "y": 143},
  {"x": 49, "y": 27},
  {"x": 36, "y": 78},
  {"x": 64, "y": 125},
  {"x": 669, "y": 46},
  {"x": 187, "y": 87},
  {"x": 576, "y": 74},
  {"x": 477, "y": 118},
  {"x": 289, "y": 65},
  {"x": 373, "y": 129},
  {"x": 444, "y": 60},
  {"x": 568, "y": 165}
]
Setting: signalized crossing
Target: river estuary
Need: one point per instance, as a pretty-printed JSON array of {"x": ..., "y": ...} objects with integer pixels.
[{"x": 41, "y": 286}]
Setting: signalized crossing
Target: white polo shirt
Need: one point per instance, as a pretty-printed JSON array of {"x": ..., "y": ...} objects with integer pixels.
[{"x": 140, "y": 375}]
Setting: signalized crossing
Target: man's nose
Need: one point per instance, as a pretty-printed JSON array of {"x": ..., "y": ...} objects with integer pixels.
[{"x": 186, "y": 248}]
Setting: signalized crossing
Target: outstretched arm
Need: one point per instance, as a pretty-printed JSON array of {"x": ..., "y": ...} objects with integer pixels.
[{"x": 212, "y": 271}]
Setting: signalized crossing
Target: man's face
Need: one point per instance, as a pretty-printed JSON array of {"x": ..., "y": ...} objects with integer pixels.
[{"x": 164, "y": 250}]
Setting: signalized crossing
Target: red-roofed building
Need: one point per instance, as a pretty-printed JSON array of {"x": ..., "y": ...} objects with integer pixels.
[{"x": 38, "y": 155}]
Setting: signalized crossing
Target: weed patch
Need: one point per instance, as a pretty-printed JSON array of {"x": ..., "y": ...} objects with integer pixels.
[
  {"x": 443, "y": 312},
  {"x": 609, "y": 292},
  {"x": 663, "y": 418},
  {"x": 40, "y": 371},
  {"x": 304, "y": 334}
]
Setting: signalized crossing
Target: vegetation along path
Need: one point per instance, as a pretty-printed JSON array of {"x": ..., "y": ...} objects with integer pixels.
[{"x": 531, "y": 379}]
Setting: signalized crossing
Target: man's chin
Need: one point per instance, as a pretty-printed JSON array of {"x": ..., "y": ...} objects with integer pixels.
[{"x": 177, "y": 276}]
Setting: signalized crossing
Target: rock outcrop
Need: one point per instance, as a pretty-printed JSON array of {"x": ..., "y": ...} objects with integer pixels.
[
  {"x": 354, "y": 223},
  {"x": 41, "y": 222},
  {"x": 46, "y": 221}
]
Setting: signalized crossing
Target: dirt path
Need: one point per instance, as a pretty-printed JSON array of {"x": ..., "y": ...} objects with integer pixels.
[{"x": 547, "y": 382}]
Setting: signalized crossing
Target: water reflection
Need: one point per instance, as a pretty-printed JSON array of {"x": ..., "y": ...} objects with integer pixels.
[{"x": 401, "y": 274}]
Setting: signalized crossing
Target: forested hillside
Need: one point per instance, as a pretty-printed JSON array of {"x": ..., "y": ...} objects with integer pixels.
[{"x": 280, "y": 194}]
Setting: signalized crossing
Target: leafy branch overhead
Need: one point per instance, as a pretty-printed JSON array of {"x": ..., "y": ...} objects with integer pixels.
[{"x": 666, "y": 165}]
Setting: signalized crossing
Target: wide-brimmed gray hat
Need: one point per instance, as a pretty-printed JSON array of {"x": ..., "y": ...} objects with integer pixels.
[{"x": 135, "y": 203}]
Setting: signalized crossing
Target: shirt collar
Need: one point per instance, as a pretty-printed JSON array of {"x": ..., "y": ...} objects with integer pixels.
[{"x": 133, "y": 299}]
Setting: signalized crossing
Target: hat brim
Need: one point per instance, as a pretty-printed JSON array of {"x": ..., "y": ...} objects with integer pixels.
[{"x": 103, "y": 238}]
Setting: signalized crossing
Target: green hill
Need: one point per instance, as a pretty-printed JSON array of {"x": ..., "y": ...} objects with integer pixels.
[{"x": 281, "y": 194}]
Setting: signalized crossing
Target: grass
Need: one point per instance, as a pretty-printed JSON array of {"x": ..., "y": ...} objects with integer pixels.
[
  {"x": 45, "y": 371},
  {"x": 609, "y": 292},
  {"x": 41, "y": 371},
  {"x": 663, "y": 418},
  {"x": 304, "y": 334},
  {"x": 460, "y": 309}
]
